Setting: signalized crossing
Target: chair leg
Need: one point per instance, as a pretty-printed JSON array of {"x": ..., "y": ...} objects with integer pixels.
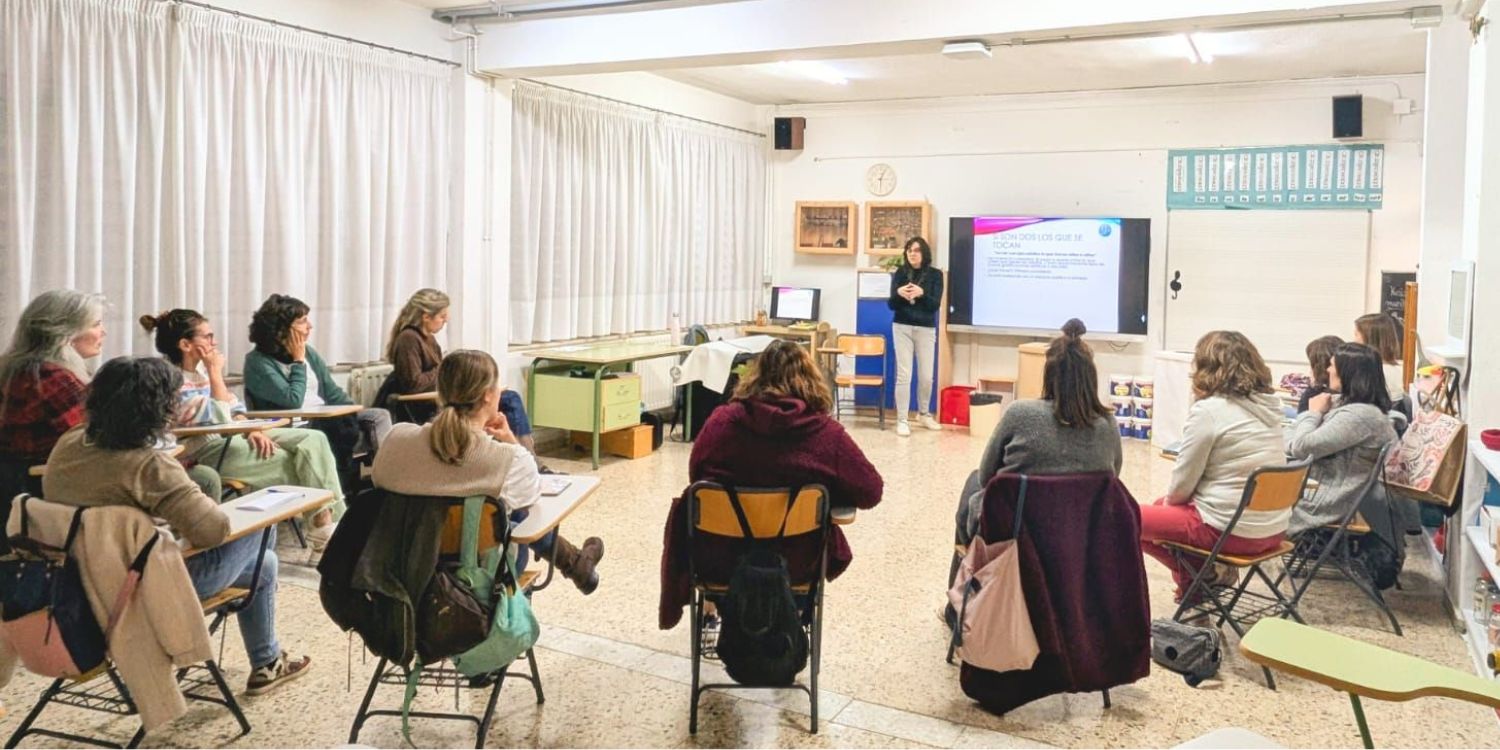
[
  {"x": 47, "y": 696},
  {"x": 536, "y": 677},
  {"x": 1359, "y": 718},
  {"x": 483, "y": 730},
  {"x": 817, "y": 653},
  {"x": 696, "y": 613},
  {"x": 229, "y": 701},
  {"x": 1106, "y": 698},
  {"x": 297, "y": 530},
  {"x": 364, "y": 706}
]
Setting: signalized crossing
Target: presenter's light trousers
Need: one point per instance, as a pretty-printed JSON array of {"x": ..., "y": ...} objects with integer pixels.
[{"x": 922, "y": 340}]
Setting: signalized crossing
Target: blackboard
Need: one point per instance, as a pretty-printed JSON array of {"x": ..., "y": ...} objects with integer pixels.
[{"x": 1393, "y": 295}]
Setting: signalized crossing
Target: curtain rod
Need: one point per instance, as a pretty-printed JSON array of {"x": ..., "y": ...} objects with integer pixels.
[
  {"x": 642, "y": 106},
  {"x": 274, "y": 22}
]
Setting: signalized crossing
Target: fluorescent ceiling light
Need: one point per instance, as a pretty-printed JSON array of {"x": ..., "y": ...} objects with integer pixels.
[
  {"x": 1194, "y": 49},
  {"x": 966, "y": 50},
  {"x": 815, "y": 70}
]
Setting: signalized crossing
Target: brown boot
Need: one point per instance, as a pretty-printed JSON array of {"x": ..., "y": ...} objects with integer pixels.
[{"x": 578, "y": 564}]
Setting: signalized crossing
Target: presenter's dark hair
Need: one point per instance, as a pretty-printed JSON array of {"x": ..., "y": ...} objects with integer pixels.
[
  {"x": 1071, "y": 381},
  {"x": 1361, "y": 377},
  {"x": 912, "y": 273},
  {"x": 131, "y": 401}
]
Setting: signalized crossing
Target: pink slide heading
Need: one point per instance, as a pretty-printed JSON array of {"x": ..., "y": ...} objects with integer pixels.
[{"x": 997, "y": 224}]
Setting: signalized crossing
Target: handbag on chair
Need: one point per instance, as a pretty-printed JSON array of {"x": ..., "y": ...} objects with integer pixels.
[{"x": 993, "y": 627}]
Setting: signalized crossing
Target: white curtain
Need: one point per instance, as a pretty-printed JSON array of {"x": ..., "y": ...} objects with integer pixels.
[
  {"x": 170, "y": 156},
  {"x": 621, "y": 217}
]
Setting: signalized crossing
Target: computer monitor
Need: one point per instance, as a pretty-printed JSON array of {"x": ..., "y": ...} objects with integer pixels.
[{"x": 791, "y": 303}]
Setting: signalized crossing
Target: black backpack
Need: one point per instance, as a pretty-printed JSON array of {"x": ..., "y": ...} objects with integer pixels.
[{"x": 762, "y": 642}]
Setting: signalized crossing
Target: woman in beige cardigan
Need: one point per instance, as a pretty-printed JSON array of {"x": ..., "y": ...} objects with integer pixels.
[{"x": 111, "y": 460}]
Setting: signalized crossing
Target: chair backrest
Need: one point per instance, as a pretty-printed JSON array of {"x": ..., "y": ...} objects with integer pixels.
[
  {"x": 490, "y": 535},
  {"x": 765, "y": 509},
  {"x": 862, "y": 346},
  {"x": 1274, "y": 488}
]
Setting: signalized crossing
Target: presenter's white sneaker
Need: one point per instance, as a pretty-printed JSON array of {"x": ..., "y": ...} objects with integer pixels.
[
  {"x": 903, "y": 429},
  {"x": 930, "y": 423}
]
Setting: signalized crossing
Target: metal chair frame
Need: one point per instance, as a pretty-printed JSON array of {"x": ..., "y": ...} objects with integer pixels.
[
  {"x": 811, "y": 600},
  {"x": 1330, "y": 545},
  {"x": 388, "y": 673},
  {"x": 1214, "y": 601}
]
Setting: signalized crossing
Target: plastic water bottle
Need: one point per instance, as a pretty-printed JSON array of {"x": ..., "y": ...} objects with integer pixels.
[{"x": 674, "y": 329}]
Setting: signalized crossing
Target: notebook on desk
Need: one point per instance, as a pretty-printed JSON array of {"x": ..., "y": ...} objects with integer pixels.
[{"x": 552, "y": 486}]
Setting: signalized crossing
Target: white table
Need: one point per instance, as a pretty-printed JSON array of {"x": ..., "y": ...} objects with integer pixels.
[
  {"x": 710, "y": 363},
  {"x": 548, "y": 512},
  {"x": 244, "y": 522}
]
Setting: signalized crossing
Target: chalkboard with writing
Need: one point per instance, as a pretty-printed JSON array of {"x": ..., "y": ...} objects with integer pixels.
[{"x": 1393, "y": 294}]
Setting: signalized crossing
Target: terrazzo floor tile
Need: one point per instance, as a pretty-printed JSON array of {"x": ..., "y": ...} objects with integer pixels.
[{"x": 613, "y": 678}]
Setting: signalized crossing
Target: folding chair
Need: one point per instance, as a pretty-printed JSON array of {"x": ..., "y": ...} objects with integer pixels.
[
  {"x": 442, "y": 676},
  {"x": 768, "y": 511},
  {"x": 860, "y": 346},
  {"x": 1332, "y": 545},
  {"x": 103, "y": 691},
  {"x": 1270, "y": 488}
]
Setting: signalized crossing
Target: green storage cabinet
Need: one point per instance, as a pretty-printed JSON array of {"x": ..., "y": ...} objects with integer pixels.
[{"x": 568, "y": 403}]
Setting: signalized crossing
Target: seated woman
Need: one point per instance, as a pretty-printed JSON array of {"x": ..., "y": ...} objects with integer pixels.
[
  {"x": 1344, "y": 434},
  {"x": 1067, "y": 431},
  {"x": 287, "y": 456},
  {"x": 1379, "y": 332},
  {"x": 414, "y": 354},
  {"x": 283, "y": 371},
  {"x": 468, "y": 449},
  {"x": 1232, "y": 429},
  {"x": 1319, "y": 356},
  {"x": 111, "y": 460},
  {"x": 43, "y": 381},
  {"x": 774, "y": 432}
]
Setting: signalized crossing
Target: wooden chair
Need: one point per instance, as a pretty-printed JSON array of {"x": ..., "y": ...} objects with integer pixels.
[
  {"x": 1269, "y": 489},
  {"x": 860, "y": 346},
  {"x": 769, "y": 512},
  {"x": 1360, "y": 669}
]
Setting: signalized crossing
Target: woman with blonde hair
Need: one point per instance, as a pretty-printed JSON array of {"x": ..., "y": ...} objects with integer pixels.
[
  {"x": 468, "y": 449},
  {"x": 774, "y": 432},
  {"x": 414, "y": 354},
  {"x": 1232, "y": 429}
]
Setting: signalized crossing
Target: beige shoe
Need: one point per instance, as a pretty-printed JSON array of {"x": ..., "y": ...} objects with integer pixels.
[
  {"x": 930, "y": 423},
  {"x": 903, "y": 429}
]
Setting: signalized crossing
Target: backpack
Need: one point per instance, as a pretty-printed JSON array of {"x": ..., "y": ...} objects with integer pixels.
[
  {"x": 44, "y": 609},
  {"x": 1191, "y": 651},
  {"x": 761, "y": 640}
]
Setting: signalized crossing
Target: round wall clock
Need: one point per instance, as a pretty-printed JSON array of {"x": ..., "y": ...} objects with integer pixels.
[{"x": 880, "y": 180}]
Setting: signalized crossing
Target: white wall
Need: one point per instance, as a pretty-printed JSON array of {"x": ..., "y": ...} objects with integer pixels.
[
  {"x": 656, "y": 92},
  {"x": 1095, "y": 153}
]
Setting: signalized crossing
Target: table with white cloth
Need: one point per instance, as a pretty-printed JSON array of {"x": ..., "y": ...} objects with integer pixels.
[{"x": 710, "y": 365}]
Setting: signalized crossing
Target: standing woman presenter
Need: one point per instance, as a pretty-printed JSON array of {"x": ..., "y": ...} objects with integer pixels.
[{"x": 916, "y": 294}]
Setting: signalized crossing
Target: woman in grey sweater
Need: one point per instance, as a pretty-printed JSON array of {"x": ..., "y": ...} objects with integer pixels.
[
  {"x": 1343, "y": 435},
  {"x": 1068, "y": 431}
]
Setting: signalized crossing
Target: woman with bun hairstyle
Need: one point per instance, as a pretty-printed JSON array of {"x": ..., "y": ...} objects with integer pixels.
[
  {"x": 291, "y": 456},
  {"x": 916, "y": 296},
  {"x": 1068, "y": 430}
]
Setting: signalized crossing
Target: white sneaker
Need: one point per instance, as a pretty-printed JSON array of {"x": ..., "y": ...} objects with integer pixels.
[
  {"x": 903, "y": 429},
  {"x": 930, "y": 423}
]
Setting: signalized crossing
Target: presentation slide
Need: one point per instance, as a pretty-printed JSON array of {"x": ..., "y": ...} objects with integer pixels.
[
  {"x": 1032, "y": 272},
  {"x": 792, "y": 303}
]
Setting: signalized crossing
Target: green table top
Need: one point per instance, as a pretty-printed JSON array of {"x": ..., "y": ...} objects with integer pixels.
[
  {"x": 603, "y": 354},
  {"x": 1358, "y": 667}
]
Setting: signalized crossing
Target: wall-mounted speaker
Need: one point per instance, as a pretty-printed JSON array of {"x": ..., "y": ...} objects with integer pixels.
[
  {"x": 789, "y": 133},
  {"x": 1349, "y": 116}
]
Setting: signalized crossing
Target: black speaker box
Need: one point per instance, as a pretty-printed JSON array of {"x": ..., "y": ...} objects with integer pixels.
[
  {"x": 789, "y": 133},
  {"x": 1348, "y": 116}
]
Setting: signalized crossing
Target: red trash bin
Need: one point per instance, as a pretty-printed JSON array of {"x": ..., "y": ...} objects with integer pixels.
[{"x": 953, "y": 404}]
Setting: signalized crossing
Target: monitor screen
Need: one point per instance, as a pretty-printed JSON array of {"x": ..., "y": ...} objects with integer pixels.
[{"x": 794, "y": 303}]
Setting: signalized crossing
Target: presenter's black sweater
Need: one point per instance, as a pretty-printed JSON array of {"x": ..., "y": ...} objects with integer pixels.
[{"x": 924, "y": 310}]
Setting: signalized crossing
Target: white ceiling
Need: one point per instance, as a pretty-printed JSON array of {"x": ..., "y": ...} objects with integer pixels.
[{"x": 1321, "y": 50}]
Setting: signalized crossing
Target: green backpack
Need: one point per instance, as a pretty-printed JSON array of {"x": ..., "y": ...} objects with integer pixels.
[{"x": 513, "y": 626}]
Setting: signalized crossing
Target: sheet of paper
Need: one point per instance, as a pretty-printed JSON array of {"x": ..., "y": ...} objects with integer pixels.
[
  {"x": 874, "y": 285},
  {"x": 270, "y": 500},
  {"x": 553, "y": 486}
]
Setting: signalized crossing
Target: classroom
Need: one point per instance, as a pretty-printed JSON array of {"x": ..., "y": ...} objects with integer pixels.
[{"x": 437, "y": 373}]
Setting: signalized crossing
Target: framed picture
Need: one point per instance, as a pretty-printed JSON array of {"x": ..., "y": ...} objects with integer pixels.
[
  {"x": 892, "y": 223},
  {"x": 827, "y": 227}
]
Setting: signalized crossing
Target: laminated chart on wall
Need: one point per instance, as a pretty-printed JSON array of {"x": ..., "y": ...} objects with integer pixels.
[{"x": 1326, "y": 176}]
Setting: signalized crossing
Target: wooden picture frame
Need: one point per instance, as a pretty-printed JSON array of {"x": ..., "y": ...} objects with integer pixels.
[
  {"x": 891, "y": 223},
  {"x": 826, "y": 227}
]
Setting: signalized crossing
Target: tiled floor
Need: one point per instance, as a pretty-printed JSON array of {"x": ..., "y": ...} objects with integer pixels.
[{"x": 613, "y": 679}]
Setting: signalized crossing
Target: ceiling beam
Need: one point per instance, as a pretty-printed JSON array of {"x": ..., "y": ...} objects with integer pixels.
[{"x": 758, "y": 31}]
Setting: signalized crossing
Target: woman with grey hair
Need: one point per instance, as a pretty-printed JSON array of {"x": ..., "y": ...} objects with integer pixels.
[{"x": 43, "y": 381}]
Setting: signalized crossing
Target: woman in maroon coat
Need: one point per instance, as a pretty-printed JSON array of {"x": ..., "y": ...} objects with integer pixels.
[{"x": 774, "y": 432}]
